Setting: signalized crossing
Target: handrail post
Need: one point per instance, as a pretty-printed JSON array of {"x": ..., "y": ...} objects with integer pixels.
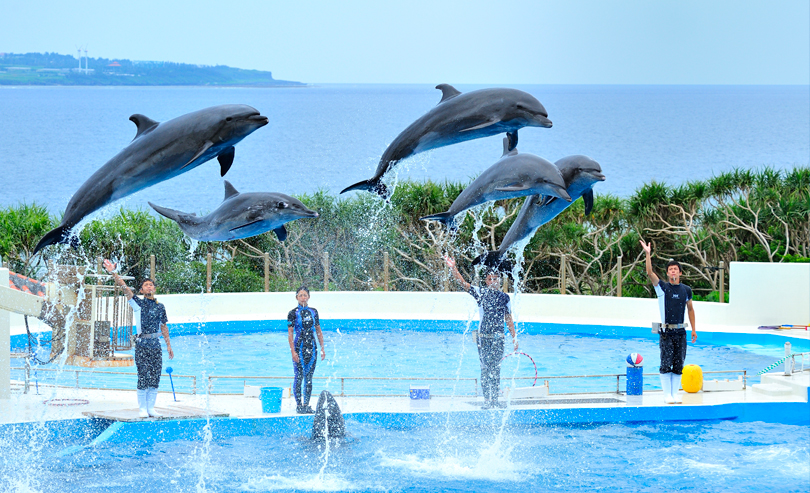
[
  {"x": 326, "y": 271},
  {"x": 77, "y": 379},
  {"x": 266, "y": 272},
  {"x": 152, "y": 267},
  {"x": 618, "y": 385},
  {"x": 27, "y": 376},
  {"x": 386, "y": 275},
  {"x": 341, "y": 387},
  {"x": 194, "y": 388},
  {"x": 562, "y": 274},
  {"x": 208, "y": 261},
  {"x": 722, "y": 282},
  {"x": 619, "y": 277}
]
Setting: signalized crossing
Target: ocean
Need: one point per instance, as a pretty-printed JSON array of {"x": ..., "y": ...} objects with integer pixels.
[{"x": 331, "y": 136}]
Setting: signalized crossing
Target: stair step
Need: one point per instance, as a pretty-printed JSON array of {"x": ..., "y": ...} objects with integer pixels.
[{"x": 771, "y": 389}]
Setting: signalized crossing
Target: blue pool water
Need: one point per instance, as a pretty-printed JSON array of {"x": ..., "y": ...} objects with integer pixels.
[
  {"x": 430, "y": 349},
  {"x": 705, "y": 457}
]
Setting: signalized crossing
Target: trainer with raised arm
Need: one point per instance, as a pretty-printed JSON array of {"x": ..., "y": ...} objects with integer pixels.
[
  {"x": 674, "y": 301},
  {"x": 495, "y": 309},
  {"x": 150, "y": 320}
]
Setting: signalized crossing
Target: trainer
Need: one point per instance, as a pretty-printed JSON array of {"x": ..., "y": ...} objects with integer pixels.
[
  {"x": 674, "y": 301},
  {"x": 495, "y": 309}
]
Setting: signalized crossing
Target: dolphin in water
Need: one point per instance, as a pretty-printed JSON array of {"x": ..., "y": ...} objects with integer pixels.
[
  {"x": 328, "y": 422},
  {"x": 580, "y": 173},
  {"x": 158, "y": 152},
  {"x": 460, "y": 117},
  {"x": 241, "y": 215},
  {"x": 513, "y": 175}
]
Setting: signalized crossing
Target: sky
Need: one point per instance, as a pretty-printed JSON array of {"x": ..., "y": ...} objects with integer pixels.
[{"x": 417, "y": 41}]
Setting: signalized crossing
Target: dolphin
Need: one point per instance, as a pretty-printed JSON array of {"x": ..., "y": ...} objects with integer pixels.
[
  {"x": 513, "y": 175},
  {"x": 241, "y": 215},
  {"x": 158, "y": 152},
  {"x": 328, "y": 422},
  {"x": 580, "y": 173},
  {"x": 458, "y": 118}
]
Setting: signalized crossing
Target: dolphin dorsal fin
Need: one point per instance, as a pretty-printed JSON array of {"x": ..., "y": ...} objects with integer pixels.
[
  {"x": 230, "y": 191},
  {"x": 448, "y": 92},
  {"x": 144, "y": 124},
  {"x": 506, "y": 151}
]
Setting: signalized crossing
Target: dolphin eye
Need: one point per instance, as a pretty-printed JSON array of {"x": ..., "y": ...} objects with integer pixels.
[
  {"x": 228, "y": 119},
  {"x": 282, "y": 205}
]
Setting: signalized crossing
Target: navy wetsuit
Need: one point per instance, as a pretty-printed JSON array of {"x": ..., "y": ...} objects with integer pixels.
[
  {"x": 303, "y": 321},
  {"x": 149, "y": 315},
  {"x": 493, "y": 306},
  {"x": 672, "y": 300}
]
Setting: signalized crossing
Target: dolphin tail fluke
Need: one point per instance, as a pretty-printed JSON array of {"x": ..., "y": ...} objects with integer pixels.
[
  {"x": 494, "y": 260},
  {"x": 58, "y": 235},
  {"x": 372, "y": 185},
  {"x": 446, "y": 218},
  {"x": 182, "y": 219},
  {"x": 166, "y": 212},
  {"x": 489, "y": 259}
]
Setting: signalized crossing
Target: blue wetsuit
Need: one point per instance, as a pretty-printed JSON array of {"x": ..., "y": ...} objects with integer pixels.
[
  {"x": 672, "y": 300},
  {"x": 493, "y": 306},
  {"x": 303, "y": 320}
]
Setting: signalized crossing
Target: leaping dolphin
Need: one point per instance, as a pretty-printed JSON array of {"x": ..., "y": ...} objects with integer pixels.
[
  {"x": 158, "y": 152},
  {"x": 241, "y": 215},
  {"x": 328, "y": 422},
  {"x": 457, "y": 118},
  {"x": 513, "y": 175},
  {"x": 580, "y": 173}
]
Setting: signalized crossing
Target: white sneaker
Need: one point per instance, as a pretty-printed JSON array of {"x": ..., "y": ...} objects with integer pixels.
[
  {"x": 143, "y": 413},
  {"x": 666, "y": 385},
  {"x": 151, "y": 398}
]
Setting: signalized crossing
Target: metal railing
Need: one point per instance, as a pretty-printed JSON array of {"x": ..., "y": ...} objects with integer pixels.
[
  {"x": 343, "y": 393},
  {"x": 343, "y": 381},
  {"x": 28, "y": 370}
]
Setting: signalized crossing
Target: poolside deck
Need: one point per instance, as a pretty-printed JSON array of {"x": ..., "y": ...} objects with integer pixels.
[{"x": 755, "y": 403}]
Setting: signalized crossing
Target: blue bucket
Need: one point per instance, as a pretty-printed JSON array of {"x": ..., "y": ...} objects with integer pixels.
[
  {"x": 271, "y": 399},
  {"x": 635, "y": 380}
]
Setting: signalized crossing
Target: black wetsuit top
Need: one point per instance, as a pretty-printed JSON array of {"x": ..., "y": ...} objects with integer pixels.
[
  {"x": 152, "y": 316},
  {"x": 672, "y": 299},
  {"x": 303, "y": 328},
  {"x": 493, "y": 305}
]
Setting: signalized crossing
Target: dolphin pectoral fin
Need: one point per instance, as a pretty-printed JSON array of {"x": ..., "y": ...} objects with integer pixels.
[
  {"x": 481, "y": 125},
  {"x": 513, "y": 188},
  {"x": 281, "y": 232},
  {"x": 230, "y": 191},
  {"x": 225, "y": 159},
  {"x": 588, "y": 198},
  {"x": 513, "y": 139},
  {"x": 204, "y": 148},
  {"x": 545, "y": 200},
  {"x": 448, "y": 92},
  {"x": 144, "y": 124}
]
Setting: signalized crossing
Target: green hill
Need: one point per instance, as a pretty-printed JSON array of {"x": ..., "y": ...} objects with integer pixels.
[{"x": 56, "y": 69}]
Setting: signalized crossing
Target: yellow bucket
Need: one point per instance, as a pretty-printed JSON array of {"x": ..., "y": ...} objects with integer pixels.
[{"x": 692, "y": 378}]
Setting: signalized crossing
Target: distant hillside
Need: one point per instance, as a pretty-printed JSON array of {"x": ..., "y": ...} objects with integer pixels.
[{"x": 56, "y": 69}]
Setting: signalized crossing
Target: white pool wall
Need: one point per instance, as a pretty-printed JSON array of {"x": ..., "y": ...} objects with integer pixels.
[{"x": 760, "y": 294}]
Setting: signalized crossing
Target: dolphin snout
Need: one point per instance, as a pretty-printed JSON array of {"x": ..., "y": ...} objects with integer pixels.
[
  {"x": 599, "y": 176},
  {"x": 260, "y": 119},
  {"x": 542, "y": 121}
]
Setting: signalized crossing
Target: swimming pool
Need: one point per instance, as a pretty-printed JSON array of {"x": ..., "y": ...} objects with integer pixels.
[
  {"x": 429, "y": 349},
  {"x": 493, "y": 455}
]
